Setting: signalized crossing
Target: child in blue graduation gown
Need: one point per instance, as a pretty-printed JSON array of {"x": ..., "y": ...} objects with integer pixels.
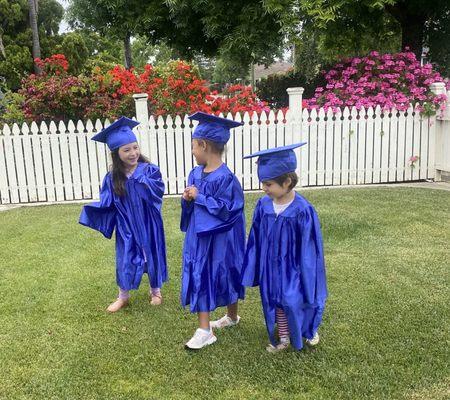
[
  {"x": 284, "y": 254},
  {"x": 213, "y": 218},
  {"x": 130, "y": 203}
]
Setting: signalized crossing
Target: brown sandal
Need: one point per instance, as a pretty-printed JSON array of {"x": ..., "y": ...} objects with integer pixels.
[
  {"x": 155, "y": 299},
  {"x": 117, "y": 305}
]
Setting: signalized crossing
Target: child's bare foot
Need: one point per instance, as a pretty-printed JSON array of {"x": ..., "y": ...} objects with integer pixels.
[
  {"x": 117, "y": 305},
  {"x": 155, "y": 299}
]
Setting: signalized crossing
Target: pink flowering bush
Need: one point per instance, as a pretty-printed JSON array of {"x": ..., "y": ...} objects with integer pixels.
[{"x": 388, "y": 80}]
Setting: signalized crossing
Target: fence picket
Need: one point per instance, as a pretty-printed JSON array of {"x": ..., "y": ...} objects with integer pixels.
[{"x": 61, "y": 163}]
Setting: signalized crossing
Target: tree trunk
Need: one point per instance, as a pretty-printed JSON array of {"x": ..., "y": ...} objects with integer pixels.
[
  {"x": 252, "y": 75},
  {"x": 294, "y": 56},
  {"x": 2, "y": 47},
  {"x": 127, "y": 48},
  {"x": 413, "y": 27},
  {"x": 32, "y": 5},
  {"x": 413, "y": 35}
]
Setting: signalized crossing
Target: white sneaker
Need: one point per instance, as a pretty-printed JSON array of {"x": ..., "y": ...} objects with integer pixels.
[
  {"x": 224, "y": 322},
  {"x": 283, "y": 345},
  {"x": 201, "y": 339},
  {"x": 314, "y": 341}
]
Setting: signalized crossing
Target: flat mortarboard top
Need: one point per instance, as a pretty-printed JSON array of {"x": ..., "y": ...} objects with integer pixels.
[
  {"x": 276, "y": 161},
  {"x": 118, "y": 134},
  {"x": 213, "y": 128}
]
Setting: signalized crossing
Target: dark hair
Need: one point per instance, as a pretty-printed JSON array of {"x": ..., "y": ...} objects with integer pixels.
[
  {"x": 283, "y": 178},
  {"x": 215, "y": 147},
  {"x": 118, "y": 172}
]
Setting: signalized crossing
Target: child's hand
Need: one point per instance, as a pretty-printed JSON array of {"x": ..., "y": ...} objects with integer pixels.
[
  {"x": 193, "y": 192},
  {"x": 186, "y": 195}
]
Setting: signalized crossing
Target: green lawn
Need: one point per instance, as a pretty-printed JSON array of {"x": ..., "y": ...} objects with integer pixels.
[{"x": 385, "y": 333}]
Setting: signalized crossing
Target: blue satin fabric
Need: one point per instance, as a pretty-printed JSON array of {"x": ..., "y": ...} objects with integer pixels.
[
  {"x": 136, "y": 217},
  {"x": 214, "y": 244},
  {"x": 284, "y": 257}
]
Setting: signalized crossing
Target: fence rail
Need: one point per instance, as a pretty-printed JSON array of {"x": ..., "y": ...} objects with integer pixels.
[{"x": 59, "y": 162}]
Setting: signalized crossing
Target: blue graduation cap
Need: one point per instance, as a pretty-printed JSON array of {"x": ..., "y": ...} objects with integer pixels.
[
  {"x": 276, "y": 161},
  {"x": 213, "y": 128},
  {"x": 118, "y": 133}
]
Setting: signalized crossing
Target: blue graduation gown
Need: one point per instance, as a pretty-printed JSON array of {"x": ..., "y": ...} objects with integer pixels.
[
  {"x": 284, "y": 257},
  {"x": 214, "y": 244},
  {"x": 136, "y": 217}
]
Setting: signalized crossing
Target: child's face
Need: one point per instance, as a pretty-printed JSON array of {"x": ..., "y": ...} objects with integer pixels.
[
  {"x": 199, "y": 151},
  {"x": 129, "y": 154},
  {"x": 274, "y": 190}
]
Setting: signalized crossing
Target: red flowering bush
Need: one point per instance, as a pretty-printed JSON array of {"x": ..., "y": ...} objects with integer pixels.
[
  {"x": 388, "y": 80},
  {"x": 237, "y": 99},
  {"x": 54, "y": 94},
  {"x": 110, "y": 94},
  {"x": 175, "y": 89},
  {"x": 56, "y": 64}
]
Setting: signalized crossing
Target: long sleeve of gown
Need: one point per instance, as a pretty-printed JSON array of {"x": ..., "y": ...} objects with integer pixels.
[
  {"x": 152, "y": 185},
  {"x": 101, "y": 215},
  {"x": 311, "y": 261},
  {"x": 186, "y": 209},
  {"x": 251, "y": 269},
  {"x": 218, "y": 213}
]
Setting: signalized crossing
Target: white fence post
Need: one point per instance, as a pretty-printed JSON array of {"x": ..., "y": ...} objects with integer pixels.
[
  {"x": 140, "y": 102},
  {"x": 295, "y": 103},
  {"x": 442, "y": 148},
  {"x": 294, "y": 123}
]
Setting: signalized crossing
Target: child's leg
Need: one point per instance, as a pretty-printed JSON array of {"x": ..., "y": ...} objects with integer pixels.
[
  {"x": 283, "y": 332},
  {"x": 155, "y": 296},
  {"x": 282, "y": 323},
  {"x": 203, "y": 320},
  {"x": 232, "y": 311}
]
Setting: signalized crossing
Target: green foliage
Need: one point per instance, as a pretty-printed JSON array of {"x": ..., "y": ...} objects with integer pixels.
[
  {"x": 16, "y": 36},
  {"x": 229, "y": 71},
  {"x": 273, "y": 88},
  {"x": 144, "y": 52},
  {"x": 241, "y": 31},
  {"x": 116, "y": 18},
  {"x": 358, "y": 35},
  {"x": 11, "y": 108},
  {"x": 17, "y": 63},
  {"x": 103, "y": 51},
  {"x": 439, "y": 43},
  {"x": 255, "y": 36},
  {"x": 50, "y": 16},
  {"x": 306, "y": 56},
  {"x": 76, "y": 51}
]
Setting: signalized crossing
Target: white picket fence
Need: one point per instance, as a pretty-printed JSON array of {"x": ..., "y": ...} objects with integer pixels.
[{"x": 59, "y": 162}]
